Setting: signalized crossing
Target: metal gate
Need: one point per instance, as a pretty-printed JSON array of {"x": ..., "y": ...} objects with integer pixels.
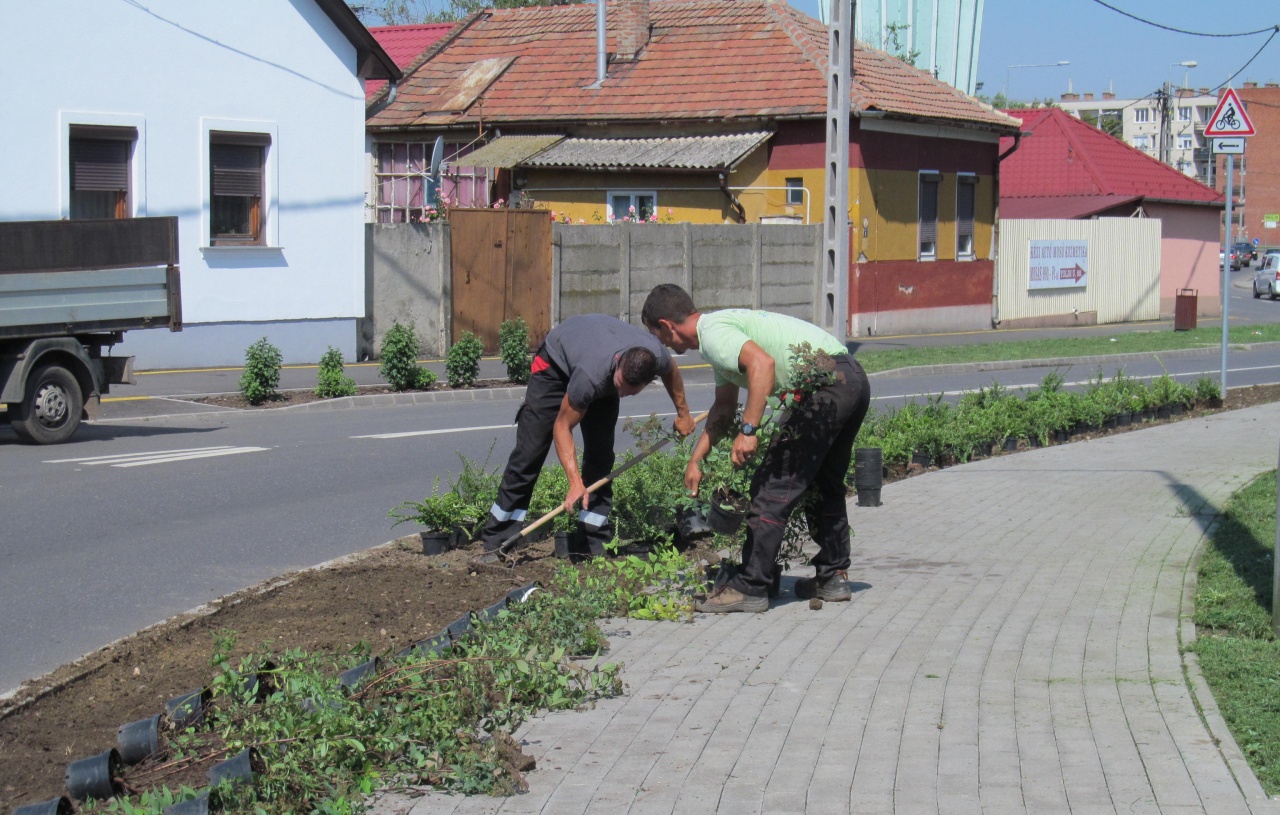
[{"x": 501, "y": 269}]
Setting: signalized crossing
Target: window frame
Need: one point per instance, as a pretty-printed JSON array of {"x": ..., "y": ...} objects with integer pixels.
[
  {"x": 101, "y": 161},
  {"x": 795, "y": 191},
  {"x": 251, "y": 133},
  {"x": 1185, "y": 113},
  {"x": 633, "y": 195},
  {"x": 1142, "y": 116},
  {"x": 81, "y": 122},
  {"x": 923, "y": 224},
  {"x": 454, "y": 172},
  {"x": 969, "y": 182}
]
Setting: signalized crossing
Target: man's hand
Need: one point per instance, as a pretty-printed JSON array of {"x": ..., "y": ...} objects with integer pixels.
[
  {"x": 577, "y": 493},
  {"x": 692, "y": 478},
  {"x": 684, "y": 425},
  {"x": 744, "y": 449}
]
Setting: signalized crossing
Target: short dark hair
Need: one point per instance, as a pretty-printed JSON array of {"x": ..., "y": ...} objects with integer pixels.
[
  {"x": 667, "y": 301},
  {"x": 639, "y": 366}
]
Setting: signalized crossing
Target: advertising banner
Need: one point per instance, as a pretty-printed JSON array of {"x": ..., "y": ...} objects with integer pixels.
[{"x": 1058, "y": 264}]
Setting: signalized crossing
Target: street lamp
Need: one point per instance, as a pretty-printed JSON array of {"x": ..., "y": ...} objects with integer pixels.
[
  {"x": 1166, "y": 110},
  {"x": 1036, "y": 65}
]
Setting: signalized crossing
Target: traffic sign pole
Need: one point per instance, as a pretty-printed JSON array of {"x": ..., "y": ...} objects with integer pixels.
[{"x": 1226, "y": 273}]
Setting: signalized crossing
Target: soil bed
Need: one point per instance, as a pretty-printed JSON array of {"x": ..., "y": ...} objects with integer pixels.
[
  {"x": 289, "y": 398},
  {"x": 387, "y": 597}
]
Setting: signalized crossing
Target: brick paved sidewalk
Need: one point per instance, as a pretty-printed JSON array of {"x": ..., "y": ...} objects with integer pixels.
[{"x": 1012, "y": 647}]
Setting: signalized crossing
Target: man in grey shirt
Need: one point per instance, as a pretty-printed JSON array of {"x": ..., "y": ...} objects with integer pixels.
[{"x": 585, "y": 365}]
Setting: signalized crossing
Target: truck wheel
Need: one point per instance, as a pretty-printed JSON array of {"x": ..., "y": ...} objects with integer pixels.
[{"x": 50, "y": 411}]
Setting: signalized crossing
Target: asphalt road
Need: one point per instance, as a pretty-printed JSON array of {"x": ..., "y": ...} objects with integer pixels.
[{"x": 164, "y": 505}]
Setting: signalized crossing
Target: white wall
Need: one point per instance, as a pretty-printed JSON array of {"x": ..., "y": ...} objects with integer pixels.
[{"x": 175, "y": 69}]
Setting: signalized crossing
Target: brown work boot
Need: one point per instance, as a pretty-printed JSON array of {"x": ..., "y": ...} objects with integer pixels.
[
  {"x": 834, "y": 589},
  {"x": 725, "y": 599}
]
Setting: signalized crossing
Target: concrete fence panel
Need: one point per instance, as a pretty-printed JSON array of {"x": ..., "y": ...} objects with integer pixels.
[{"x": 406, "y": 280}]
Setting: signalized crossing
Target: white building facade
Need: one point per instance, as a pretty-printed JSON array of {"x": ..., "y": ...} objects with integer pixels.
[{"x": 243, "y": 119}]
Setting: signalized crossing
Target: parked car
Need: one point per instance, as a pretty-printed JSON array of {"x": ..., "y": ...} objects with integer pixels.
[
  {"x": 1244, "y": 253},
  {"x": 1264, "y": 280},
  {"x": 1235, "y": 262}
]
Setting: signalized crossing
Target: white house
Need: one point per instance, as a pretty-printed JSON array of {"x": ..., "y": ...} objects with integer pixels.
[{"x": 244, "y": 118}]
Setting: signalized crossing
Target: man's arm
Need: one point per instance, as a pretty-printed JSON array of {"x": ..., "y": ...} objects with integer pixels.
[
  {"x": 567, "y": 419},
  {"x": 759, "y": 368},
  {"x": 674, "y": 383},
  {"x": 719, "y": 421}
]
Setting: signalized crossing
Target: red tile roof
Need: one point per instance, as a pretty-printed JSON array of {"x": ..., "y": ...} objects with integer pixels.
[
  {"x": 706, "y": 59},
  {"x": 404, "y": 43},
  {"x": 1067, "y": 168}
]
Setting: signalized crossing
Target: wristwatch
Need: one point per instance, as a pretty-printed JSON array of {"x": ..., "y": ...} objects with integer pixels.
[{"x": 748, "y": 429}]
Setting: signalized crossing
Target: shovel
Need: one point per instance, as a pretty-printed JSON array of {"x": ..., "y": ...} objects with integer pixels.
[{"x": 503, "y": 552}]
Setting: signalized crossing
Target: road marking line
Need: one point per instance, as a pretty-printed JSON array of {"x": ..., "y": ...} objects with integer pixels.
[
  {"x": 158, "y": 456},
  {"x": 409, "y": 433},
  {"x": 189, "y": 456},
  {"x": 118, "y": 456}
]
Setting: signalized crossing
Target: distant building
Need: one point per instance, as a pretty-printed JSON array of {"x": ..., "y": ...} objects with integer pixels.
[
  {"x": 1255, "y": 189},
  {"x": 946, "y": 34}
]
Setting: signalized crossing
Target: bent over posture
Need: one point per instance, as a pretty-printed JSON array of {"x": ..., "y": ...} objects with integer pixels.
[
  {"x": 812, "y": 447},
  {"x": 585, "y": 365}
]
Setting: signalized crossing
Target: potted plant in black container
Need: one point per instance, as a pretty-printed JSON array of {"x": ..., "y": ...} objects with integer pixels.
[{"x": 446, "y": 517}]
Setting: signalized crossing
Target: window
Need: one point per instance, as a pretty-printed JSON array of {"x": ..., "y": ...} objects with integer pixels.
[
  {"x": 1184, "y": 143},
  {"x": 237, "y": 174},
  {"x": 1142, "y": 115},
  {"x": 632, "y": 205},
  {"x": 1184, "y": 114},
  {"x": 1142, "y": 142},
  {"x": 929, "y": 215},
  {"x": 101, "y": 167},
  {"x": 966, "y": 195},
  {"x": 795, "y": 192},
  {"x": 401, "y": 178}
]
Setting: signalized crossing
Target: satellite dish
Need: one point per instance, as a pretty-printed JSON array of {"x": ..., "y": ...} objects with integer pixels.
[{"x": 433, "y": 179}]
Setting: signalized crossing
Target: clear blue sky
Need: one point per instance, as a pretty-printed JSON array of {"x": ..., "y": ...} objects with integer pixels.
[{"x": 1108, "y": 51}]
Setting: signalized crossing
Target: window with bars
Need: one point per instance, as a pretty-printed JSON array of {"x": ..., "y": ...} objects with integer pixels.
[
  {"x": 401, "y": 173},
  {"x": 966, "y": 198},
  {"x": 929, "y": 181},
  {"x": 101, "y": 168},
  {"x": 237, "y": 174}
]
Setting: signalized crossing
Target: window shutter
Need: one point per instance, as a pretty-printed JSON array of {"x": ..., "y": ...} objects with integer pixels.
[
  {"x": 928, "y": 210},
  {"x": 99, "y": 165},
  {"x": 964, "y": 209},
  {"x": 237, "y": 169}
]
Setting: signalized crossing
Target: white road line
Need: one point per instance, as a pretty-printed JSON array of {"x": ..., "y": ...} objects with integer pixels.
[
  {"x": 408, "y": 433},
  {"x": 189, "y": 456},
  {"x": 158, "y": 457},
  {"x": 121, "y": 456}
]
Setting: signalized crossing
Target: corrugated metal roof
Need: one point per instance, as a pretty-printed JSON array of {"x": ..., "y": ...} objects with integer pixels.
[
  {"x": 508, "y": 151},
  {"x": 684, "y": 153}
]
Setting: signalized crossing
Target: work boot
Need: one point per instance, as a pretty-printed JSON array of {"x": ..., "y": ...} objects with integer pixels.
[
  {"x": 725, "y": 599},
  {"x": 833, "y": 589}
]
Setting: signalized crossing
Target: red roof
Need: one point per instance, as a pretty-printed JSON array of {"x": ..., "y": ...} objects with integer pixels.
[
  {"x": 1067, "y": 168},
  {"x": 404, "y": 43},
  {"x": 705, "y": 59}
]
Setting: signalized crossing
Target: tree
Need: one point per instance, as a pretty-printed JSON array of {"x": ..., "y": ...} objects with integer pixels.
[
  {"x": 893, "y": 33},
  {"x": 411, "y": 12}
]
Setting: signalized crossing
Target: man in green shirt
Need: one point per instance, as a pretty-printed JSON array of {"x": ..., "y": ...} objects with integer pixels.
[{"x": 812, "y": 448}]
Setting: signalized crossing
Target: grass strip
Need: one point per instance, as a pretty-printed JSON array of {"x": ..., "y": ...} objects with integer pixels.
[
  {"x": 1131, "y": 342},
  {"x": 1238, "y": 654}
]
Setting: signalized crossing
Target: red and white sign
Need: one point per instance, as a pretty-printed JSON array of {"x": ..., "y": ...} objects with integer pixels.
[{"x": 1230, "y": 118}]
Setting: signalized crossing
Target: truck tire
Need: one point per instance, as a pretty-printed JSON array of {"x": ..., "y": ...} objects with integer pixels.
[{"x": 50, "y": 411}]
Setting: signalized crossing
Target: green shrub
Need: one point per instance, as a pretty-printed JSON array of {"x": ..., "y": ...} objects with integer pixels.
[
  {"x": 1207, "y": 389},
  {"x": 513, "y": 337},
  {"x": 261, "y": 374},
  {"x": 400, "y": 348},
  {"x": 332, "y": 382},
  {"x": 462, "y": 363}
]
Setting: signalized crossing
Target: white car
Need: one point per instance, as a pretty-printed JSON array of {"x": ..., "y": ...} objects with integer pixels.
[{"x": 1265, "y": 280}]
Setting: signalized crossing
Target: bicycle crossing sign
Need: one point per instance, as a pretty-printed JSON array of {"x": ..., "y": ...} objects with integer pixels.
[{"x": 1229, "y": 118}]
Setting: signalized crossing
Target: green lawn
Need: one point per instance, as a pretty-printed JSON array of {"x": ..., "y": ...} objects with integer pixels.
[
  {"x": 1238, "y": 655},
  {"x": 1123, "y": 342}
]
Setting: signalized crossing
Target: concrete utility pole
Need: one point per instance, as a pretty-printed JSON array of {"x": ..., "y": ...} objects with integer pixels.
[
  {"x": 1166, "y": 136},
  {"x": 834, "y": 308}
]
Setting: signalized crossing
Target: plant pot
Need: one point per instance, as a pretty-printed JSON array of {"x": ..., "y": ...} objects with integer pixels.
[
  {"x": 691, "y": 524},
  {"x": 563, "y": 545},
  {"x": 1124, "y": 419},
  {"x": 1214, "y": 403},
  {"x": 1061, "y": 436},
  {"x": 436, "y": 542},
  {"x": 192, "y": 806},
  {"x": 1176, "y": 409},
  {"x": 868, "y": 468},
  {"x": 188, "y": 709},
  {"x": 723, "y": 520},
  {"x": 921, "y": 458},
  {"x": 868, "y": 497},
  {"x": 54, "y": 806},
  {"x": 1010, "y": 444},
  {"x": 353, "y": 677},
  {"x": 137, "y": 740},
  {"x": 1164, "y": 413},
  {"x": 238, "y": 769},
  {"x": 94, "y": 777},
  {"x": 1109, "y": 423}
]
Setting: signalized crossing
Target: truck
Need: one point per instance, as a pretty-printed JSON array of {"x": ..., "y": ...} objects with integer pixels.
[{"x": 69, "y": 290}]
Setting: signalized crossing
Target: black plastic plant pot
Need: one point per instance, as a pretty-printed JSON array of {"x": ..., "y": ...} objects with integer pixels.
[
  {"x": 868, "y": 497},
  {"x": 192, "y": 806},
  {"x": 188, "y": 709},
  {"x": 563, "y": 545},
  {"x": 691, "y": 523},
  {"x": 459, "y": 627},
  {"x": 95, "y": 777},
  {"x": 137, "y": 740},
  {"x": 921, "y": 458},
  {"x": 521, "y": 594},
  {"x": 868, "y": 468},
  {"x": 353, "y": 677},
  {"x": 435, "y": 543},
  {"x": 1176, "y": 408},
  {"x": 237, "y": 770},
  {"x": 723, "y": 520},
  {"x": 54, "y": 806},
  {"x": 490, "y": 613},
  {"x": 261, "y": 683},
  {"x": 1124, "y": 419},
  {"x": 1010, "y": 444},
  {"x": 1164, "y": 412}
]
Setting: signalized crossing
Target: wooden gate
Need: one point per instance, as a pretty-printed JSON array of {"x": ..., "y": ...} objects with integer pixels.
[{"x": 501, "y": 269}]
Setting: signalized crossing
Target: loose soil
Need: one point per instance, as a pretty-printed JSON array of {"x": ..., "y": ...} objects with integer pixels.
[
  {"x": 289, "y": 398},
  {"x": 388, "y": 597}
]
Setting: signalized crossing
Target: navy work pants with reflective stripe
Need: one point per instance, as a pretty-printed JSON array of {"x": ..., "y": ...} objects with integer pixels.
[
  {"x": 534, "y": 426},
  {"x": 812, "y": 448}
]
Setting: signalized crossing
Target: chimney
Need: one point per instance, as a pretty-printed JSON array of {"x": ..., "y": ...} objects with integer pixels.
[
  {"x": 1202, "y": 91},
  {"x": 1108, "y": 95},
  {"x": 1070, "y": 97},
  {"x": 1272, "y": 85},
  {"x": 1249, "y": 85},
  {"x": 631, "y": 26},
  {"x": 1088, "y": 97}
]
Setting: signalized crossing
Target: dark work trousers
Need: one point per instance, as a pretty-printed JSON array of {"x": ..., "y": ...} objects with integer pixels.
[
  {"x": 812, "y": 448},
  {"x": 534, "y": 426}
]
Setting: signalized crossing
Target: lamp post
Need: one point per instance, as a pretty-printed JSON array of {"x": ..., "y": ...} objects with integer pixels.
[{"x": 1009, "y": 68}]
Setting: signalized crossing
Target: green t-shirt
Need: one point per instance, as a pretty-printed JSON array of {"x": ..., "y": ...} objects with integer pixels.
[{"x": 721, "y": 335}]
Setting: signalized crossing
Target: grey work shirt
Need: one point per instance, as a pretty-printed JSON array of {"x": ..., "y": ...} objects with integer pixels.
[{"x": 586, "y": 349}]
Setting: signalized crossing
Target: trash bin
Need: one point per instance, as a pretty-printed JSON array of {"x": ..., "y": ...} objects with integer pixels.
[{"x": 1185, "y": 304}]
